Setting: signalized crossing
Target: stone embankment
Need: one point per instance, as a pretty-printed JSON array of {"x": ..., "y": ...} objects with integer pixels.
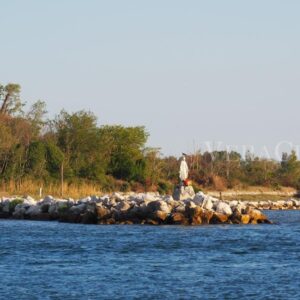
[
  {"x": 274, "y": 205},
  {"x": 149, "y": 208}
]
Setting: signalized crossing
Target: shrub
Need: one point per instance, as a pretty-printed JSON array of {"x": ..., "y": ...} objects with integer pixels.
[
  {"x": 125, "y": 187},
  {"x": 164, "y": 187}
]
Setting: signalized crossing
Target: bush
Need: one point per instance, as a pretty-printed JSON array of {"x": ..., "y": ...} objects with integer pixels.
[
  {"x": 137, "y": 187},
  {"x": 164, "y": 187},
  {"x": 276, "y": 186},
  {"x": 108, "y": 184},
  {"x": 125, "y": 187}
]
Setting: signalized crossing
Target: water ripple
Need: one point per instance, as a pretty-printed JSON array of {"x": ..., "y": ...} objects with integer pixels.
[{"x": 49, "y": 260}]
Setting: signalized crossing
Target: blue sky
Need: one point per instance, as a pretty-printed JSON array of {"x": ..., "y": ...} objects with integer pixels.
[{"x": 190, "y": 71}]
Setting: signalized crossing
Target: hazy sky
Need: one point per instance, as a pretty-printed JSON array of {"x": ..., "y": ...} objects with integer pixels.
[{"x": 190, "y": 71}]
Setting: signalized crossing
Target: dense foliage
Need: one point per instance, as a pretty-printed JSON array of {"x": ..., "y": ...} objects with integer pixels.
[{"x": 115, "y": 157}]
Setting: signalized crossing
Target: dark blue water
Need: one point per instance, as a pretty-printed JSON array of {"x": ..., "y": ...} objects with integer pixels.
[{"x": 49, "y": 260}]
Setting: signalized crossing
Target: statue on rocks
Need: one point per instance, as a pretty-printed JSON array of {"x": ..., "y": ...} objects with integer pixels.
[
  {"x": 184, "y": 190},
  {"x": 184, "y": 169}
]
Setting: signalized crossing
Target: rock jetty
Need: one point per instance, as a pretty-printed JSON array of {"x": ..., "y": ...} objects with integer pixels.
[
  {"x": 274, "y": 205},
  {"x": 148, "y": 208}
]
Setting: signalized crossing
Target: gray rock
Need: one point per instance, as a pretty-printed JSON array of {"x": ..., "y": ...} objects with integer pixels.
[
  {"x": 239, "y": 207},
  {"x": 123, "y": 206},
  {"x": 48, "y": 200},
  {"x": 179, "y": 209},
  {"x": 5, "y": 205},
  {"x": 223, "y": 208},
  {"x": 20, "y": 211},
  {"x": 189, "y": 203},
  {"x": 207, "y": 203},
  {"x": 78, "y": 209},
  {"x": 199, "y": 198},
  {"x": 85, "y": 200},
  {"x": 183, "y": 192},
  {"x": 159, "y": 205},
  {"x": 29, "y": 200},
  {"x": 33, "y": 210}
]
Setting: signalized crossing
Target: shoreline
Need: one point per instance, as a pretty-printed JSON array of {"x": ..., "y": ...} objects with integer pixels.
[{"x": 255, "y": 194}]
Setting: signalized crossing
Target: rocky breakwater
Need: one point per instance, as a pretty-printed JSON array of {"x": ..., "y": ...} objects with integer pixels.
[
  {"x": 149, "y": 208},
  {"x": 274, "y": 205}
]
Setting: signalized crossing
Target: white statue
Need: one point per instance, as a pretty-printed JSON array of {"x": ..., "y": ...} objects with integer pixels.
[{"x": 184, "y": 170}]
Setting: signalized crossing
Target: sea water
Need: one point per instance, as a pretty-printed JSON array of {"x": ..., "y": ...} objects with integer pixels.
[{"x": 51, "y": 260}]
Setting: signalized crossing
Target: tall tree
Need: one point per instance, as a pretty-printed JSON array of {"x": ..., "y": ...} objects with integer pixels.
[
  {"x": 127, "y": 159},
  {"x": 290, "y": 170},
  {"x": 10, "y": 99},
  {"x": 36, "y": 116}
]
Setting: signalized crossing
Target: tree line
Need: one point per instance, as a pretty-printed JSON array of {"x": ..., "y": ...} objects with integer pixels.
[{"x": 113, "y": 156}]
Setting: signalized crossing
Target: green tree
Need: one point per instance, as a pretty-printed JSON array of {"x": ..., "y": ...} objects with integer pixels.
[
  {"x": 7, "y": 141},
  {"x": 36, "y": 116},
  {"x": 127, "y": 152},
  {"x": 10, "y": 99},
  {"x": 77, "y": 137},
  {"x": 289, "y": 173},
  {"x": 154, "y": 166},
  {"x": 54, "y": 159}
]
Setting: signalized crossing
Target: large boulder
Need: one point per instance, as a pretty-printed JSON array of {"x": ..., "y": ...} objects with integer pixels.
[
  {"x": 161, "y": 216},
  {"x": 179, "y": 208},
  {"x": 20, "y": 211},
  {"x": 245, "y": 219},
  {"x": 296, "y": 203},
  {"x": 159, "y": 205},
  {"x": 171, "y": 202},
  {"x": 47, "y": 200},
  {"x": 207, "y": 203},
  {"x": 194, "y": 215},
  {"x": 89, "y": 218},
  {"x": 223, "y": 208},
  {"x": 78, "y": 209},
  {"x": 206, "y": 216},
  {"x": 123, "y": 206},
  {"x": 103, "y": 212},
  {"x": 46, "y": 203},
  {"x": 183, "y": 192},
  {"x": 85, "y": 200},
  {"x": 189, "y": 204},
  {"x": 29, "y": 200},
  {"x": 256, "y": 216},
  {"x": 121, "y": 212},
  {"x": 199, "y": 198},
  {"x": 178, "y": 219},
  {"x": 138, "y": 212},
  {"x": 148, "y": 197},
  {"x": 5, "y": 206},
  {"x": 91, "y": 207},
  {"x": 219, "y": 218},
  {"x": 9, "y": 205},
  {"x": 239, "y": 207},
  {"x": 33, "y": 211}
]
